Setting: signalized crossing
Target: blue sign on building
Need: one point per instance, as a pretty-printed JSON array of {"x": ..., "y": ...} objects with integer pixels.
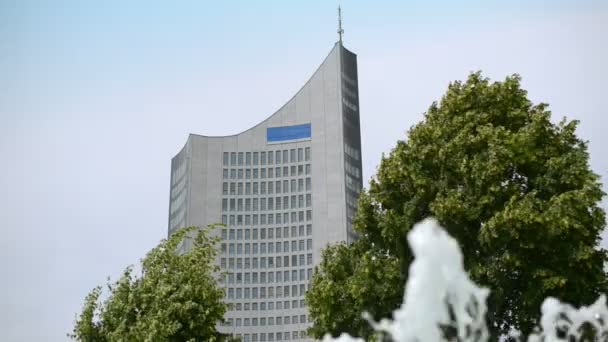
[{"x": 287, "y": 133}]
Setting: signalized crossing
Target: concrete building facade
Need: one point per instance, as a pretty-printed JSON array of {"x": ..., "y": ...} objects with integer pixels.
[{"x": 284, "y": 190}]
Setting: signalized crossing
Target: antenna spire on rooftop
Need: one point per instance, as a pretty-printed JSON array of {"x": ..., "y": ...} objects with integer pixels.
[{"x": 340, "y": 30}]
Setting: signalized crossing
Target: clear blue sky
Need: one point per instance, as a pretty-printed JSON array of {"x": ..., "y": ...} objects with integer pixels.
[{"x": 96, "y": 97}]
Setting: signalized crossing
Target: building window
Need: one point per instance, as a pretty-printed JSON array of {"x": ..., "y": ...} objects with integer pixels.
[{"x": 225, "y": 163}]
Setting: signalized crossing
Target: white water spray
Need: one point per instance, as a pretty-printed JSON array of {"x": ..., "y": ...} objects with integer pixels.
[{"x": 441, "y": 303}]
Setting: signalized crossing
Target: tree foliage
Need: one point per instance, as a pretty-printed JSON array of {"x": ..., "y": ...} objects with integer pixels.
[
  {"x": 513, "y": 188},
  {"x": 176, "y": 297},
  {"x": 350, "y": 280}
]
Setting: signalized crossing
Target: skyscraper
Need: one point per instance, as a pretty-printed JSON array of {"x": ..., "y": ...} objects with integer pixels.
[{"x": 284, "y": 190}]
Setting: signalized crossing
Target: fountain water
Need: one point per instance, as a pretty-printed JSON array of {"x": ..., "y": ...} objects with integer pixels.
[{"x": 441, "y": 303}]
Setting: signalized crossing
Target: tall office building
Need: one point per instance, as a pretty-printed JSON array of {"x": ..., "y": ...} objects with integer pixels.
[{"x": 284, "y": 189}]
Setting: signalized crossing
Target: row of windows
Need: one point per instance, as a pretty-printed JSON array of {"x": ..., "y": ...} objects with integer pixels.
[
  {"x": 263, "y": 321},
  {"x": 268, "y": 277},
  {"x": 352, "y": 169},
  {"x": 267, "y": 203},
  {"x": 251, "y": 188},
  {"x": 239, "y": 220},
  {"x": 351, "y": 151},
  {"x": 277, "y": 172},
  {"x": 352, "y": 184},
  {"x": 248, "y": 234},
  {"x": 265, "y": 262},
  {"x": 280, "y": 336},
  {"x": 263, "y": 306},
  {"x": 263, "y": 158},
  {"x": 252, "y": 248},
  {"x": 178, "y": 173},
  {"x": 267, "y": 292}
]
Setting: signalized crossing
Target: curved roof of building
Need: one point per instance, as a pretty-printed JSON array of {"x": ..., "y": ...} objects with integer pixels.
[{"x": 336, "y": 46}]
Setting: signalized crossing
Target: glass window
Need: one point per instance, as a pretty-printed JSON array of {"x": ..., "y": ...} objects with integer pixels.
[
  {"x": 278, "y": 156},
  {"x": 225, "y": 159},
  {"x": 255, "y": 158},
  {"x": 307, "y": 154},
  {"x": 307, "y": 169},
  {"x": 262, "y": 158},
  {"x": 240, "y": 158},
  {"x": 225, "y": 173},
  {"x": 308, "y": 184},
  {"x": 263, "y": 173},
  {"x": 232, "y": 158},
  {"x": 300, "y": 154},
  {"x": 270, "y": 157},
  {"x": 285, "y": 156},
  {"x": 292, "y": 155}
]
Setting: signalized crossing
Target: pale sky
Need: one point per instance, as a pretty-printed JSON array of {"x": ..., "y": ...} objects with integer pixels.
[{"x": 96, "y": 97}]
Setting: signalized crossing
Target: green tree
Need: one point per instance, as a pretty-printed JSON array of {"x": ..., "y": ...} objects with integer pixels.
[
  {"x": 176, "y": 297},
  {"x": 352, "y": 279},
  {"x": 513, "y": 188}
]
